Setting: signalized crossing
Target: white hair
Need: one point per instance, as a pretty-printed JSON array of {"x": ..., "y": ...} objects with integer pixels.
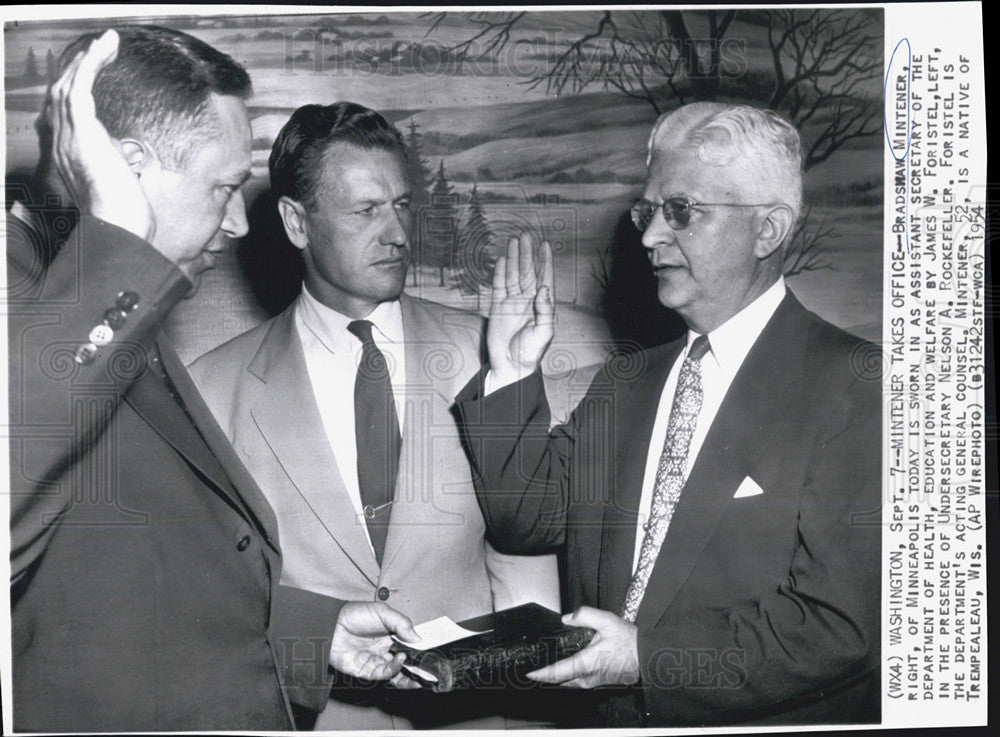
[{"x": 760, "y": 142}]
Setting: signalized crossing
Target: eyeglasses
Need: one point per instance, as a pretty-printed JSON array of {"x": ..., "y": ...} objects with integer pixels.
[{"x": 676, "y": 211}]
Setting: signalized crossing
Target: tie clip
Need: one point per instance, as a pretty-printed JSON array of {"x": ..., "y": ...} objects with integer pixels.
[{"x": 371, "y": 511}]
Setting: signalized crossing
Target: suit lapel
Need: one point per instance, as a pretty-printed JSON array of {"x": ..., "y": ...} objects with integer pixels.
[
  {"x": 287, "y": 416},
  {"x": 151, "y": 399},
  {"x": 750, "y": 414},
  {"x": 220, "y": 446},
  {"x": 634, "y": 416}
]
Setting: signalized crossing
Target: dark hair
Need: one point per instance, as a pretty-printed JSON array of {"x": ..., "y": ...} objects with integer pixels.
[
  {"x": 158, "y": 87},
  {"x": 296, "y": 162}
]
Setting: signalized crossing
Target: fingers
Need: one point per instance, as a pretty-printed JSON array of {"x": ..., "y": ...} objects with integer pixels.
[
  {"x": 518, "y": 272},
  {"x": 544, "y": 303},
  {"x": 73, "y": 91},
  {"x": 92, "y": 167},
  {"x": 512, "y": 267},
  {"x": 544, "y": 309},
  {"x": 373, "y": 663},
  {"x": 499, "y": 285},
  {"x": 543, "y": 675},
  {"x": 400, "y": 680},
  {"x": 71, "y": 110},
  {"x": 526, "y": 278},
  {"x": 101, "y": 53},
  {"x": 547, "y": 269},
  {"x": 57, "y": 114},
  {"x": 374, "y": 666}
]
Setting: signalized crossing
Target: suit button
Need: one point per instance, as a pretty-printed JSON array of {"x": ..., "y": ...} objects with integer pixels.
[
  {"x": 383, "y": 593},
  {"x": 115, "y": 318},
  {"x": 244, "y": 543},
  {"x": 85, "y": 354},
  {"x": 127, "y": 300},
  {"x": 101, "y": 335}
]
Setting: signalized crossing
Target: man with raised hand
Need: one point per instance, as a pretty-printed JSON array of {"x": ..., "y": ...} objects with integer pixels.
[
  {"x": 145, "y": 563},
  {"x": 719, "y": 496}
]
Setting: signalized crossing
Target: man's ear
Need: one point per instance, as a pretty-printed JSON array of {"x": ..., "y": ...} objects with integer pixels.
[
  {"x": 293, "y": 217},
  {"x": 137, "y": 154},
  {"x": 774, "y": 228}
]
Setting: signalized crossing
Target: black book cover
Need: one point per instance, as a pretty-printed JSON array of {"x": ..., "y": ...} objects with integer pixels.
[{"x": 520, "y": 640}]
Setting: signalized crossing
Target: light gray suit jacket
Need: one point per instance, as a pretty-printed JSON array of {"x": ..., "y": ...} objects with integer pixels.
[{"x": 436, "y": 561}]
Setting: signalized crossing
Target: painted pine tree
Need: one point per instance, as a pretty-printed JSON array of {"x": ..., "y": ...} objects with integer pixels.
[
  {"x": 440, "y": 225},
  {"x": 31, "y": 66},
  {"x": 476, "y": 248},
  {"x": 420, "y": 180}
]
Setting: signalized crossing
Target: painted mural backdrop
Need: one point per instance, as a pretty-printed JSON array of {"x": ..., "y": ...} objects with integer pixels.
[{"x": 535, "y": 120}]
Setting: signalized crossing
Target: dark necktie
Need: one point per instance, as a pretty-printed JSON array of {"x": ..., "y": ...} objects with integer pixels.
[
  {"x": 671, "y": 472},
  {"x": 376, "y": 430}
]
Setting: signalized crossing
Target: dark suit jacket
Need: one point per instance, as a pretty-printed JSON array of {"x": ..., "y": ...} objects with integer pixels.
[
  {"x": 762, "y": 608},
  {"x": 144, "y": 559}
]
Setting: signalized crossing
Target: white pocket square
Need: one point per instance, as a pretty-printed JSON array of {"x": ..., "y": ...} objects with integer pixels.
[{"x": 749, "y": 487}]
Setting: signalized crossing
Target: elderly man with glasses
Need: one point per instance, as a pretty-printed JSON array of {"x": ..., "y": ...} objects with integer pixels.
[{"x": 719, "y": 496}]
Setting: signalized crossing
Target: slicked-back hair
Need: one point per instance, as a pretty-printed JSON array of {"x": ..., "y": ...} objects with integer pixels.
[
  {"x": 759, "y": 141},
  {"x": 296, "y": 162},
  {"x": 158, "y": 88}
]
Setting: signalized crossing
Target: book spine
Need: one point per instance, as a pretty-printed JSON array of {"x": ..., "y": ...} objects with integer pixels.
[{"x": 499, "y": 665}]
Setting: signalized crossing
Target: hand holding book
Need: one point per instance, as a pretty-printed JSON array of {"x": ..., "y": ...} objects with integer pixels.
[
  {"x": 495, "y": 649},
  {"x": 610, "y": 659}
]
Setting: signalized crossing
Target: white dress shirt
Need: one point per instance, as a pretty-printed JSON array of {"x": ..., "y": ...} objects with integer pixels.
[
  {"x": 730, "y": 343},
  {"x": 332, "y": 356}
]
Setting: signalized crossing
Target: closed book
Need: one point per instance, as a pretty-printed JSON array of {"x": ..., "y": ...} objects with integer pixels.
[{"x": 509, "y": 644}]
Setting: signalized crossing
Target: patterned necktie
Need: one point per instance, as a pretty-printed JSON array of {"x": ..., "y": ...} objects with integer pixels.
[
  {"x": 670, "y": 472},
  {"x": 376, "y": 430}
]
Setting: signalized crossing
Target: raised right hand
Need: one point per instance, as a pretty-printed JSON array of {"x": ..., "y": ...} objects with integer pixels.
[
  {"x": 522, "y": 310},
  {"x": 86, "y": 158}
]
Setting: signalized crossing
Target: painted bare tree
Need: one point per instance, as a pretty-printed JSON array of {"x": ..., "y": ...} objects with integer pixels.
[{"x": 821, "y": 70}]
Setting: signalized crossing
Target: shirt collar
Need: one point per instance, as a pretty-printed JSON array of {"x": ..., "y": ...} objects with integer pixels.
[
  {"x": 330, "y": 326},
  {"x": 731, "y": 342}
]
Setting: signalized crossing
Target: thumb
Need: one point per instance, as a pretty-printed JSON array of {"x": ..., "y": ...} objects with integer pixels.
[
  {"x": 587, "y": 616},
  {"x": 397, "y": 623},
  {"x": 544, "y": 309}
]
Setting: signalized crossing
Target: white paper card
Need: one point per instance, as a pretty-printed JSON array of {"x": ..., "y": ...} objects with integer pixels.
[{"x": 438, "y": 632}]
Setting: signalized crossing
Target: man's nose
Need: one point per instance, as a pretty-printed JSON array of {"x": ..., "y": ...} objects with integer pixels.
[
  {"x": 234, "y": 224},
  {"x": 395, "y": 231},
  {"x": 658, "y": 231}
]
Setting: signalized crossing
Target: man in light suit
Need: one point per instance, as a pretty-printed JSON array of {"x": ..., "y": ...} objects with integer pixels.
[
  {"x": 341, "y": 409},
  {"x": 145, "y": 561},
  {"x": 719, "y": 496}
]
